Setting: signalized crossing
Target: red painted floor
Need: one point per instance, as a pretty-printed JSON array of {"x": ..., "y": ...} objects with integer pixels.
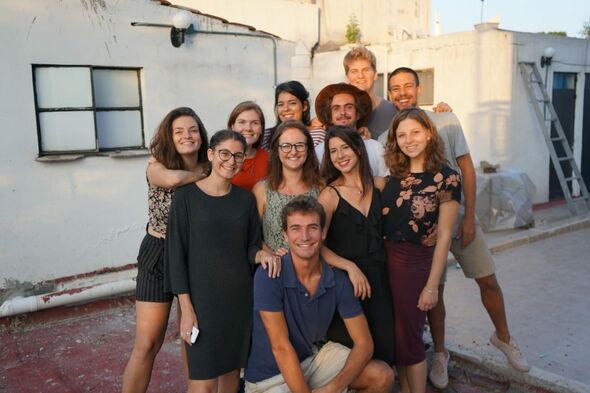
[
  {"x": 79, "y": 349},
  {"x": 85, "y": 349}
]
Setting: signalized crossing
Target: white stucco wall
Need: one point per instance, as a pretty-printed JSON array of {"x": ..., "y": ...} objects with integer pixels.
[
  {"x": 289, "y": 20},
  {"x": 477, "y": 74},
  {"x": 380, "y": 21},
  {"x": 64, "y": 218}
]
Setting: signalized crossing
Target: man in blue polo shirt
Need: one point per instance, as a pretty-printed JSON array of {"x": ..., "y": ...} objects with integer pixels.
[{"x": 292, "y": 314}]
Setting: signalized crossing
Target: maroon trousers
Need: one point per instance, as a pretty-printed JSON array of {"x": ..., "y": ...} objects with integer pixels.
[{"x": 408, "y": 268}]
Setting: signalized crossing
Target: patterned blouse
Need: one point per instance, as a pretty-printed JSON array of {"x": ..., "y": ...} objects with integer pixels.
[
  {"x": 318, "y": 135},
  {"x": 267, "y": 137},
  {"x": 159, "y": 201},
  {"x": 410, "y": 205},
  {"x": 272, "y": 229}
]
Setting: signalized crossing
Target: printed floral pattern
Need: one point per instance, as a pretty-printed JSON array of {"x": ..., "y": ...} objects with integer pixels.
[
  {"x": 159, "y": 201},
  {"x": 410, "y": 207}
]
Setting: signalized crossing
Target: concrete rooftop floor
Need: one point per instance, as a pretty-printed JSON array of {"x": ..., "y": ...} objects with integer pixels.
[{"x": 84, "y": 348}]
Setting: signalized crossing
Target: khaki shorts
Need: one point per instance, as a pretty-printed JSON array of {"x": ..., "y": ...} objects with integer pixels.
[
  {"x": 475, "y": 259},
  {"x": 318, "y": 370}
]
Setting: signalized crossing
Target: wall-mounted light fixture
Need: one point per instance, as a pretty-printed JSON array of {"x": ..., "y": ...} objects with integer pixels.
[
  {"x": 547, "y": 57},
  {"x": 182, "y": 23}
]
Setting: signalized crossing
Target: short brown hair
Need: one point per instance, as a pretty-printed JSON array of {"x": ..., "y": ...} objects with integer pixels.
[
  {"x": 397, "y": 161},
  {"x": 359, "y": 53},
  {"x": 304, "y": 204}
]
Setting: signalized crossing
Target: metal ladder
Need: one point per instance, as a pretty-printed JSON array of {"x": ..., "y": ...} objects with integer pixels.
[{"x": 537, "y": 93}]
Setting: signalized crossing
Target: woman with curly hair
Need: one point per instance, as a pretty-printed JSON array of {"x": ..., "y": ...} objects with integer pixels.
[{"x": 420, "y": 204}]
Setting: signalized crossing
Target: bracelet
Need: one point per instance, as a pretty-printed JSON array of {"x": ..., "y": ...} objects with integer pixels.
[{"x": 428, "y": 290}]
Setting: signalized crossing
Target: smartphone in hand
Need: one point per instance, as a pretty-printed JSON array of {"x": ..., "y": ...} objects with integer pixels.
[{"x": 194, "y": 334}]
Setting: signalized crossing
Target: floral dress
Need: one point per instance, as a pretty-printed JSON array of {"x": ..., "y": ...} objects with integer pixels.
[
  {"x": 410, "y": 205},
  {"x": 410, "y": 220}
]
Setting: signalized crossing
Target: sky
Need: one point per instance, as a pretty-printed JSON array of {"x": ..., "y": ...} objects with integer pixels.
[{"x": 532, "y": 16}]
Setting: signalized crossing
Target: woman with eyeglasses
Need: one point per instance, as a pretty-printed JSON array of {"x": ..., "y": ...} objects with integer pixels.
[
  {"x": 247, "y": 119},
  {"x": 179, "y": 156},
  {"x": 292, "y": 171},
  {"x": 213, "y": 241}
]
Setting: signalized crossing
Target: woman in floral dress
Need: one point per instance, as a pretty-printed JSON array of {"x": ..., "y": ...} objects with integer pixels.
[{"x": 420, "y": 204}]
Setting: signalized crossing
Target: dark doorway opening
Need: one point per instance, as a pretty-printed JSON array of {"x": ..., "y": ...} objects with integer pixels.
[
  {"x": 585, "y": 164},
  {"x": 564, "y": 101}
]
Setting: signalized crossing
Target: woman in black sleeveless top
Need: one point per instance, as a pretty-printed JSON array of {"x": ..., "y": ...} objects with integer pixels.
[{"x": 353, "y": 213}]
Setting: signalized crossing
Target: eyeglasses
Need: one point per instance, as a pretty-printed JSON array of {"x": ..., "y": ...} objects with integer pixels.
[
  {"x": 226, "y": 155},
  {"x": 287, "y": 147}
]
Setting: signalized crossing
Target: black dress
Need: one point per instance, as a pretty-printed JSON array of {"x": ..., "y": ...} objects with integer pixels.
[
  {"x": 210, "y": 245},
  {"x": 358, "y": 238}
]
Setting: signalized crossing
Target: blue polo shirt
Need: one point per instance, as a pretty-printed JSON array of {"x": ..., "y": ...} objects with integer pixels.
[{"x": 308, "y": 317}]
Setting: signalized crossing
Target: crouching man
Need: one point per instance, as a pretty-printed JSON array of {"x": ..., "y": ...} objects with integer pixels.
[{"x": 293, "y": 312}]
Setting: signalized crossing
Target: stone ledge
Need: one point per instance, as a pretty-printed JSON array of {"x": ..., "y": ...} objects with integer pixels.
[{"x": 536, "y": 380}]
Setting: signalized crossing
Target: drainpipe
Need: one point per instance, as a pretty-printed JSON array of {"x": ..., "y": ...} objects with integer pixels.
[
  {"x": 20, "y": 305},
  {"x": 317, "y": 43},
  {"x": 192, "y": 30}
]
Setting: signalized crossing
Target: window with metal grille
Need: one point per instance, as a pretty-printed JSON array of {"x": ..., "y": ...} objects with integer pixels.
[{"x": 85, "y": 109}]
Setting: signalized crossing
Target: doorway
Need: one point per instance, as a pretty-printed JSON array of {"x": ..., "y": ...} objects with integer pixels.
[
  {"x": 585, "y": 164},
  {"x": 564, "y": 101}
]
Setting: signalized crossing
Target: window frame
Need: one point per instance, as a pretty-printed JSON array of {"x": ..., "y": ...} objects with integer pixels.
[
  {"x": 421, "y": 100},
  {"x": 94, "y": 109}
]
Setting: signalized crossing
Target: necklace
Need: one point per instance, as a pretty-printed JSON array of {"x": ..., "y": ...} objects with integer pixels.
[{"x": 357, "y": 190}]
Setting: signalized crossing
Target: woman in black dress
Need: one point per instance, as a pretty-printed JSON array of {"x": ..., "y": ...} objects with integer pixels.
[
  {"x": 353, "y": 219},
  {"x": 420, "y": 204},
  {"x": 213, "y": 240}
]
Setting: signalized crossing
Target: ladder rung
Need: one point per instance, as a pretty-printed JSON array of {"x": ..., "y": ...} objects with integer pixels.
[
  {"x": 539, "y": 98},
  {"x": 580, "y": 198},
  {"x": 572, "y": 178}
]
